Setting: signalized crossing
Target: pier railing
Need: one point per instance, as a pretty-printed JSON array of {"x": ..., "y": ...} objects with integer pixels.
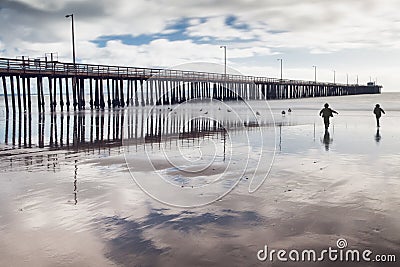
[{"x": 63, "y": 69}]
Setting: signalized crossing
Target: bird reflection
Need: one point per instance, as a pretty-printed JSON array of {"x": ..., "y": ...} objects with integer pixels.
[
  {"x": 327, "y": 140},
  {"x": 378, "y": 136}
]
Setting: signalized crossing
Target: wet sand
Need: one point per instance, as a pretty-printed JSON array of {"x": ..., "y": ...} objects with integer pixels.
[{"x": 82, "y": 207}]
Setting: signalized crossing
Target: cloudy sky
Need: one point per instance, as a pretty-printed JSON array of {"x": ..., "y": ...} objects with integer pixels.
[{"x": 354, "y": 37}]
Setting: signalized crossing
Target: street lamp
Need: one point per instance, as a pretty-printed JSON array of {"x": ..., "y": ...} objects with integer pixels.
[
  {"x": 224, "y": 47},
  {"x": 279, "y": 59},
  {"x": 334, "y": 76},
  {"x": 347, "y": 78},
  {"x": 74, "y": 87},
  {"x": 315, "y": 73},
  {"x": 73, "y": 37}
]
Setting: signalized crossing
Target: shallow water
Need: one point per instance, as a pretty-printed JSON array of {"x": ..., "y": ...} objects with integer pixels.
[{"x": 72, "y": 185}]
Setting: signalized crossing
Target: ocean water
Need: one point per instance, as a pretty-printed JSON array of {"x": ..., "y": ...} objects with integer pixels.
[{"x": 199, "y": 184}]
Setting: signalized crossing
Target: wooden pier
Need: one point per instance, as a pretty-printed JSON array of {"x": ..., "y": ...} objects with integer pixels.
[{"x": 53, "y": 86}]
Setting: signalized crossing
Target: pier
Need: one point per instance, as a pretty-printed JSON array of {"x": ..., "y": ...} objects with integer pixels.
[{"x": 53, "y": 86}]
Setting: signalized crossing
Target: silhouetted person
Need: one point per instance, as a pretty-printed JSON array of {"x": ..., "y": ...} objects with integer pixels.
[
  {"x": 378, "y": 113},
  {"x": 326, "y": 113}
]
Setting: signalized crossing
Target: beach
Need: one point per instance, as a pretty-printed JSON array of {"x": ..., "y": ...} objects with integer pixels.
[{"x": 173, "y": 186}]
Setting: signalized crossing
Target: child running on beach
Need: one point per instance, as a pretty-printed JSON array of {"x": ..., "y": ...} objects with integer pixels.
[
  {"x": 326, "y": 113},
  {"x": 378, "y": 113}
]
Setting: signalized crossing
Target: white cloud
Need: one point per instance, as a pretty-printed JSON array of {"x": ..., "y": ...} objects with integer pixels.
[{"x": 215, "y": 27}]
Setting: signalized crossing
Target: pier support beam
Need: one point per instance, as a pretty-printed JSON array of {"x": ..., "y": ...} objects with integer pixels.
[
  {"x": 12, "y": 93},
  {"x": 61, "y": 94},
  {"x": 3, "y": 78},
  {"x": 18, "y": 93},
  {"x": 67, "y": 94}
]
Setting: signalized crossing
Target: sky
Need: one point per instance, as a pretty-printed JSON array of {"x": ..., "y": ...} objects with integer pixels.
[{"x": 347, "y": 37}]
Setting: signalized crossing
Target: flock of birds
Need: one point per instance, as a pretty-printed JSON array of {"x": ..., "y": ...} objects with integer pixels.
[
  {"x": 228, "y": 110},
  {"x": 284, "y": 112}
]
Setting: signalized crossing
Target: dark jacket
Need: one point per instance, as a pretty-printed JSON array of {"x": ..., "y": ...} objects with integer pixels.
[
  {"x": 378, "y": 112},
  {"x": 327, "y": 112}
]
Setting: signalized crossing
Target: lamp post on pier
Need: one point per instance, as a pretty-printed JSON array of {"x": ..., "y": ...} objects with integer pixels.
[
  {"x": 224, "y": 47},
  {"x": 280, "y": 59},
  {"x": 334, "y": 76},
  {"x": 76, "y": 102},
  {"x": 73, "y": 36},
  {"x": 315, "y": 74}
]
